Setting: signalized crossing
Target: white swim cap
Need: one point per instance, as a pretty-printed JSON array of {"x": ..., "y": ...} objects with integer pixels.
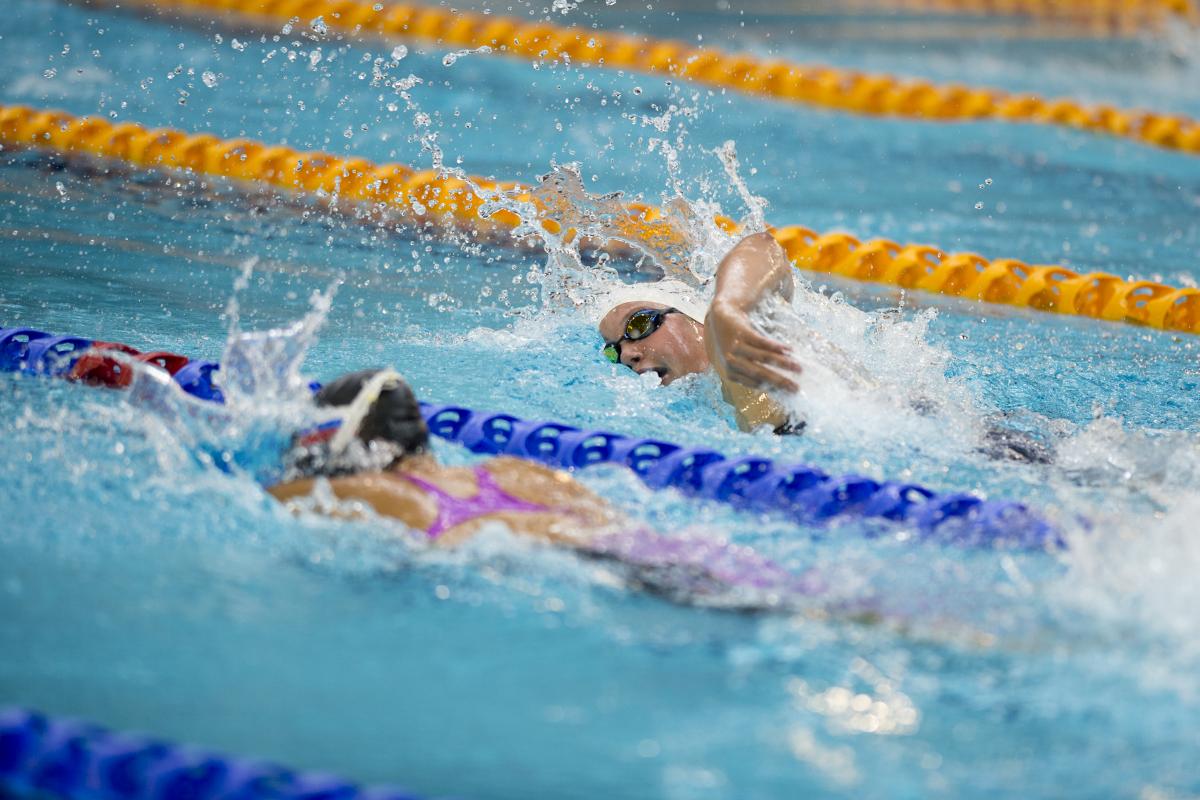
[{"x": 676, "y": 294}]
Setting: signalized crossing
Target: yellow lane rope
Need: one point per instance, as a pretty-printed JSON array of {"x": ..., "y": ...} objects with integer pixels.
[
  {"x": 427, "y": 197},
  {"x": 827, "y": 87},
  {"x": 1111, "y": 15}
]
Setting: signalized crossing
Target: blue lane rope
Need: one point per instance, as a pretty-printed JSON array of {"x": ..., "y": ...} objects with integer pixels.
[
  {"x": 801, "y": 492},
  {"x": 42, "y": 756}
]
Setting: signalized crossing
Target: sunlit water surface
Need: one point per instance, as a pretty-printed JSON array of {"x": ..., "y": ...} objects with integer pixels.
[{"x": 142, "y": 587}]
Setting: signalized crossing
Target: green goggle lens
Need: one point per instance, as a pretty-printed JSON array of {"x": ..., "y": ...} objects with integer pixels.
[{"x": 610, "y": 352}]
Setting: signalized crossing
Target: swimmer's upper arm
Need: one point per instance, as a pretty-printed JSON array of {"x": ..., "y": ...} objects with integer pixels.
[
  {"x": 383, "y": 494},
  {"x": 756, "y": 267}
]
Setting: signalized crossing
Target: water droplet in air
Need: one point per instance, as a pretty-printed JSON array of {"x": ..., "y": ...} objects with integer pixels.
[
  {"x": 210, "y": 78},
  {"x": 637, "y": 90},
  {"x": 399, "y": 52},
  {"x": 50, "y": 73},
  {"x": 319, "y": 27},
  {"x": 348, "y": 133},
  {"x": 988, "y": 181},
  {"x": 236, "y": 45},
  {"x": 978, "y": 206}
]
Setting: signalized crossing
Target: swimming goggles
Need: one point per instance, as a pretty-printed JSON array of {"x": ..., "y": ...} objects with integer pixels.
[{"x": 640, "y": 324}]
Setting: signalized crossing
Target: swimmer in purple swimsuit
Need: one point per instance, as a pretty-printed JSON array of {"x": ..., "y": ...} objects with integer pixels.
[{"x": 379, "y": 455}]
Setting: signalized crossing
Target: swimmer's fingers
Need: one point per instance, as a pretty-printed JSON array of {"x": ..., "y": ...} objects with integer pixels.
[
  {"x": 748, "y": 337},
  {"x": 773, "y": 356},
  {"x": 760, "y": 376},
  {"x": 771, "y": 368}
]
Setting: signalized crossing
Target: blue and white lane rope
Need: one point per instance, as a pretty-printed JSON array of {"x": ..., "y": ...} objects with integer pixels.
[
  {"x": 42, "y": 756},
  {"x": 800, "y": 492}
]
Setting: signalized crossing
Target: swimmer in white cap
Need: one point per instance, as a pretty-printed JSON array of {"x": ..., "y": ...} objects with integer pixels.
[{"x": 650, "y": 335}]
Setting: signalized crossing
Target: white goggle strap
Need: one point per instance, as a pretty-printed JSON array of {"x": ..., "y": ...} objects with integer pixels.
[{"x": 353, "y": 414}]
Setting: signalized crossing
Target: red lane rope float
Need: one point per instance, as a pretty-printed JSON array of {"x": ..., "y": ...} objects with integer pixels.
[
  {"x": 450, "y": 201},
  {"x": 816, "y": 85}
]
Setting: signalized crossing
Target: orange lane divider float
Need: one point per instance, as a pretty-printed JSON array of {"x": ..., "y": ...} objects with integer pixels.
[
  {"x": 427, "y": 197},
  {"x": 827, "y": 87}
]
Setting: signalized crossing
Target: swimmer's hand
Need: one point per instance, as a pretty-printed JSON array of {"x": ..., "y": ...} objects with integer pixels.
[{"x": 742, "y": 354}]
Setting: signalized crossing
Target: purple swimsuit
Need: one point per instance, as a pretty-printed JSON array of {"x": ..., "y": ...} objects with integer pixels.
[
  {"x": 685, "y": 568},
  {"x": 489, "y": 498}
]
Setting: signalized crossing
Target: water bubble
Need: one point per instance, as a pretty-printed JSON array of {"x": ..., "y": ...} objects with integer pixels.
[
  {"x": 637, "y": 90},
  {"x": 50, "y": 73},
  {"x": 987, "y": 181},
  {"x": 236, "y": 45},
  {"x": 348, "y": 133},
  {"x": 210, "y": 78},
  {"x": 318, "y": 26},
  {"x": 978, "y": 206},
  {"x": 399, "y": 52}
]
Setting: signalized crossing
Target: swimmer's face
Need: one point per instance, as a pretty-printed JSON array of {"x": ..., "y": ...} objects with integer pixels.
[{"x": 674, "y": 350}]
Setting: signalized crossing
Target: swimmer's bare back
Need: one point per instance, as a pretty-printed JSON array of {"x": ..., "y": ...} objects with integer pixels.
[{"x": 562, "y": 511}]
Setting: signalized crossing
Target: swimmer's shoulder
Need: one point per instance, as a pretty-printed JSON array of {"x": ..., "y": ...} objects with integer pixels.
[
  {"x": 536, "y": 483},
  {"x": 519, "y": 469}
]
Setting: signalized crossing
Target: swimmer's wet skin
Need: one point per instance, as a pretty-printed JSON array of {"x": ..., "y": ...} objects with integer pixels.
[
  {"x": 648, "y": 336},
  {"x": 379, "y": 455},
  {"x": 748, "y": 363}
]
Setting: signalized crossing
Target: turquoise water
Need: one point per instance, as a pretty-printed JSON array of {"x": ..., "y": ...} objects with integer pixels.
[{"x": 143, "y": 588}]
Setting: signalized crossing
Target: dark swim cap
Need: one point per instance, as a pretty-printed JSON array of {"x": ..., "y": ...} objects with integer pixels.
[
  {"x": 394, "y": 418},
  {"x": 391, "y": 428}
]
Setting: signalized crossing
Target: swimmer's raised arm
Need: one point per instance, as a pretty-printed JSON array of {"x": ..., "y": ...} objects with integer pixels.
[{"x": 753, "y": 271}]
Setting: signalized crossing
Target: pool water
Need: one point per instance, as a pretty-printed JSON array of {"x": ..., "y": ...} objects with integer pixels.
[{"x": 143, "y": 587}]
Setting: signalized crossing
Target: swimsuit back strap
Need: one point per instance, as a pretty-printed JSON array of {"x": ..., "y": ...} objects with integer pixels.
[{"x": 489, "y": 498}]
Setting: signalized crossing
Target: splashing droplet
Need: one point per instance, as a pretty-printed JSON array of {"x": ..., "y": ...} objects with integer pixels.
[{"x": 210, "y": 78}]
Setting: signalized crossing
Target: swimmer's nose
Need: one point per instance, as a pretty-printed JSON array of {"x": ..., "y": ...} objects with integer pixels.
[{"x": 631, "y": 358}]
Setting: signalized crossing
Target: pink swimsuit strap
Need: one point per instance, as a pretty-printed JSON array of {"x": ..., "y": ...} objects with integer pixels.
[{"x": 488, "y": 499}]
